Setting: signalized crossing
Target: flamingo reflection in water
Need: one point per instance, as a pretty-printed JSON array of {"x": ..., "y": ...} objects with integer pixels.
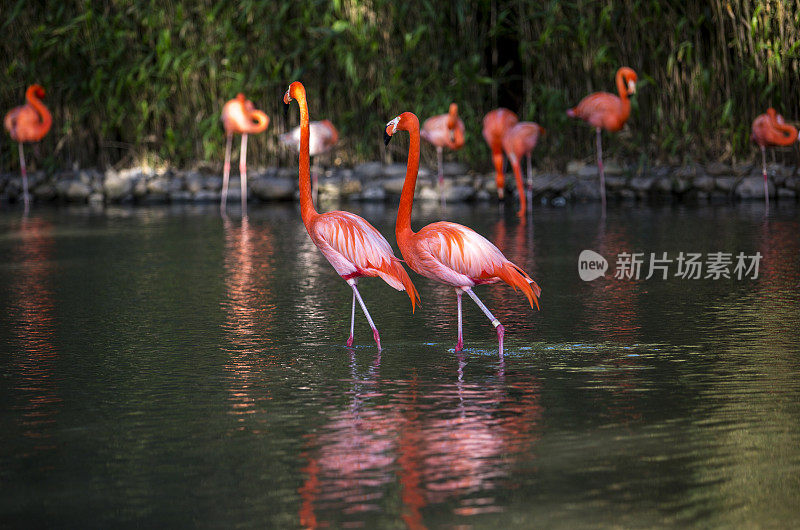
[
  {"x": 31, "y": 311},
  {"x": 452, "y": 443},
  {"x": 249, "y": 310}
]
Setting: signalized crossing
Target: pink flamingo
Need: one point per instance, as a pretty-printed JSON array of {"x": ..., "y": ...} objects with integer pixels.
[
  {"x": 495, "y": 124},
  {"x": 603, "y": 110},
  {"x": 323, "y": 137},
  {"x": 239, "y": 116},
  {"x": 28, "y": 123},
  {"x": 770, "y": 130},
  {"x": 448, "y": 252},
  {"x": 444, "y": 130},
  {"x": 519, "y": 141},
  {"x": 352, "y": 246}
]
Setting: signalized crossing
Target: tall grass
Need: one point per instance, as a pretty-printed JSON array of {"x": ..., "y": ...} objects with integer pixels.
[{"x": 137, "y": 79}]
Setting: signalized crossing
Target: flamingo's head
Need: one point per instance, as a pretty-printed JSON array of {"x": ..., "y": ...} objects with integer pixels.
[
  {"x": 293, "y": 92},
  {"x": 630, "y": 78},
  {"x": 36, "y": 90},
  {"x": 405, "y": 122}
]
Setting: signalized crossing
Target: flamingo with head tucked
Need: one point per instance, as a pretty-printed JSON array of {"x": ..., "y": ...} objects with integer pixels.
[
  {"x": 28, "y": 123},
  {"x": 323, "y": 137},
  {"x": 239, "y": 116},
  {"x": 448, "y": 252},
  {"x": 518, "y": 142},
  {"x": 495, "y": 124},
  {"x": 352, "y": 245},
  {"x": 770, "y": 130},
  {"x": 603, "y": 110},
  {"x": 444, "y": 130}
]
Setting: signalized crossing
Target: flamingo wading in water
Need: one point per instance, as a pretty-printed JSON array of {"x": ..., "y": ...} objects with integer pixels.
[
  {"x": 352, "y": 246},
  {"x": 444, "y": 130},
  {"x": 518, "y": 142},
  {"x": 603, "y": 110},
  {"x": 770, "y": 130},
  {"x": 495, "y": 124},
  {"x": 323, "y": 137},
  {"x": 448, "y": 252},
  {"x": 28, "y": 123},
  {"x": 239, "y": 116}
]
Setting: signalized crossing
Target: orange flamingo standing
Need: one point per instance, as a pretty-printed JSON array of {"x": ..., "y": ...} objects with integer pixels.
[
  {"x": 352, "y": 246},
  {"x": 518, "y": 142},
  {"x": 770, "y": 130},
  {"x": 603, "y": 110},
  {"x": 28, "y": 123},
  {"x": 495, "y": 124},
  {"x": 323, "y": 137},
  {"x": 448, "y": 252},
  {"x": 444, "y": 130},
  {"x": 239, "y": 116}
]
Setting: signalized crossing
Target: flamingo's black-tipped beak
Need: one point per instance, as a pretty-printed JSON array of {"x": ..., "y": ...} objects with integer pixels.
[
  {"x": 285, "y": 111},
  {"x": 386, "y": 138}
]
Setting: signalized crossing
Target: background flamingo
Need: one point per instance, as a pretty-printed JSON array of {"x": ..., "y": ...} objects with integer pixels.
[
  {"x": 519, "y": 141},
  {"x": 352, "y": 245},
  {"x": 323, "y": 136},
  {"x": 606, "y": 111},
  {"x": 448, "y": 252},
  {"x": 444, "y": 130},
  {"x": 770, "y": 130},
  {"x": 28, "y": 123},
  {"x": 495, "y": 124},
  {"x": 239, "y": 116}
]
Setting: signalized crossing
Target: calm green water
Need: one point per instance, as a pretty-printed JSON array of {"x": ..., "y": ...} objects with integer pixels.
[{"x": 163, "y": 368}]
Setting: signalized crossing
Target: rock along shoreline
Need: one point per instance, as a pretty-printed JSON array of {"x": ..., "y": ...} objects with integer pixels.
[{"x": 377, "y": 182}]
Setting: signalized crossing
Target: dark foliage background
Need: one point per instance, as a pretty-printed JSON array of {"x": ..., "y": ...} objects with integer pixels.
[{"x": 145, "y": 80}]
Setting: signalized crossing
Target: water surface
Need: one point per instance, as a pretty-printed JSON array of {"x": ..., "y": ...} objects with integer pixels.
[{"x": 165, "y": 367}]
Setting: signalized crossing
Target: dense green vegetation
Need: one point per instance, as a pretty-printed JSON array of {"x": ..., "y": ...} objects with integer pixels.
[{"x": 137, "y": 79}]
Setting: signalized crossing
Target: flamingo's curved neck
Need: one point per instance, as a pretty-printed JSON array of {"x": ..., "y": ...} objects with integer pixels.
[
  {"x": 307, "y": 210},
  {"x": 261, "y": 121},
  {"x": 44, "y": 114},
  {"x": 788, "y": 133},
  {"x": 623, "y": 94},
  {"x": 403, "y": 226}
]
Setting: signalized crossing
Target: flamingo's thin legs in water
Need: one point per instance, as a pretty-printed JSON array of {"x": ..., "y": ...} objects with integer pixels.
[
  {"x": 601, "y": 171},
  {"x": 441, "y": 173},
  {"x": 24, "y": 178},
  {"x": 496, "y": 323},
  {"x": 764, "y": 172},
  {"x": 460, "y": 343},
  {"x": 375, "y": 334},
  {"x": 352, "y": 320},
  {"x": 226, "y": 171},
  {"x": 243, "y": 173}
]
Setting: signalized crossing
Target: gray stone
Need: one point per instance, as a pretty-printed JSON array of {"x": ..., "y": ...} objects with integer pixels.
[
  {"x": 180, "y": 196},
  {"x": 704, "y": 183},
  {"x": 370, "y": 170},
  {"x": 373, "y": 193},
  {"x": 288, "y": 172},
  {"x": 641, "y": 184},
  {"x": 586, "y": 190},
  {"x": 612, "y": 167},
  {"x": 73, "y": 190},
  {"x": 575, "y": 166},
  {"x": 140, "y": 189},
  {"x": 627, "y": 195},
  {"x": 718, "y": 169},
  {"x": 686, "y": 172},
  {"x": 45, "y": 192},
  {"x": 753, "y": 188},
  {"x": 452, "y": 169},
  {"x": 726, "y": 184},
  {"x": 328, "y": 190},
  {"x": 194, "y": 182},
  {"x": 273, "y": 189},
  {"x": 588, "y": 172},
  {"x": 213, "y": 183},
  {"x": 662, "y": 185},
  {"x": 786, "y": 193},
  {"x": 207, "y": 196},
  {"x": 615, "y": 183},
  {"x": 482, "y": 195},
  {"x": 158, "y": 186},
  {"x": 350, "y": 187},
  {"x": 458, "y": 193},
  {"x": 394, "y": 186},
  {"x": 681, "y": 185},
  {"x": 394, "y": 170},
  {"x": 115, "y": 187},
  {"x": 96, "y": 198},
  {"x": 741, "y": 170}
]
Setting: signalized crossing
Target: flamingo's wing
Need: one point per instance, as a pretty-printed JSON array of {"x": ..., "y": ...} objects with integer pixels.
[
  {"x": 454, "y": 253},
  {"x": 354, "y": 247}
]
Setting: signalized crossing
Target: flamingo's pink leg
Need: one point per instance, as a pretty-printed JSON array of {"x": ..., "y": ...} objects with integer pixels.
[
  {"x": 496, "y": 323},
  {"x": 24, "y": 178},
  {"x": 602, "y": 172},
  {"x": 460, "y": 343},
  {"x": 226, "y": 171},
  {"x": 375, "y": 334},
  {"x": 352, "y": 321},
  {"x": 243, "y": 173}
]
